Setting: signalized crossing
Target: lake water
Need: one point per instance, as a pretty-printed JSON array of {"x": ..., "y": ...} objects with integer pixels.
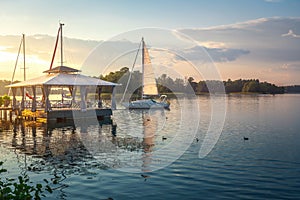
[{"x": 155, "y": 154}]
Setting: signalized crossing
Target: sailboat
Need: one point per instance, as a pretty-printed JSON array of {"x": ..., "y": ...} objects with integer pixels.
[{"x": 149, "y": 86}]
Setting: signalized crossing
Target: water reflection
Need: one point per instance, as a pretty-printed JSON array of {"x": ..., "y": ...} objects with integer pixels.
[
  {"x": 150, "y": 126},
  {"x": 75, "y": 148},
  {"x": 64, "y": 150},
  {"x": 135, "y": 144}
]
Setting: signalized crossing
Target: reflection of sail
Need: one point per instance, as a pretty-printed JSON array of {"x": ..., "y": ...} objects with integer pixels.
[
  {"x": 150, "y": 126},
  {"x": 149, "y": 83}
]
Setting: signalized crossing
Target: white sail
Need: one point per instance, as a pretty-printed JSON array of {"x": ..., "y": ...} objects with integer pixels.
[
  {"x": 149, "y": 82},
  {"x": 149, "y": 86}
]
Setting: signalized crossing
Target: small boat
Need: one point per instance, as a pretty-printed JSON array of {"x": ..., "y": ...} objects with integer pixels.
[{"x": 149, "y": 87}]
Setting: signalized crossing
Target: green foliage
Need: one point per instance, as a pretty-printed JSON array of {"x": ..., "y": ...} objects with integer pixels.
[
  {"x": 115, "y": 76},
  {"x": 167, "y": 85},
  {"x": 234, "y": 86},
  {"x": 21, "y": 189},
  {"x": 122, "y": 77},
  {"x": 6, "y": 97},
  {"x": 251, "y": 86},
  {"x": 6, "y": 100}
]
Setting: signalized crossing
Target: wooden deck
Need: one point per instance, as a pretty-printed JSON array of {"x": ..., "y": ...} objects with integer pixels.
[
  {"x": 57, "y": 115},
  {"x": 76, "y": 114}
]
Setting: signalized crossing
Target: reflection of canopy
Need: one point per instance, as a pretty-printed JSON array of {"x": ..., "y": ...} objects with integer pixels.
[{"x": 63, "y": 79}]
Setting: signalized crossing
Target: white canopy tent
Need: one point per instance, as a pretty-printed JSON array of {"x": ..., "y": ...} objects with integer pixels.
[{"x": 60, "y": 76}]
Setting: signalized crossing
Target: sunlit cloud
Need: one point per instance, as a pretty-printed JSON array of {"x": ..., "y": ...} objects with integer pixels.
[
  {"x": 213, "y": 44},
  {"x": 217, "y": 54},
  {"x": 290, "y": 34},
  {"x": 6, "y": 56},
  {"x": 239, "y": 25}
]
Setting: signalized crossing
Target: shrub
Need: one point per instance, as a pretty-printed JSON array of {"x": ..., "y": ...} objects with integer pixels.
[
  {"x": 21, "y": 188},
  {"x": 6, "y": 100}
]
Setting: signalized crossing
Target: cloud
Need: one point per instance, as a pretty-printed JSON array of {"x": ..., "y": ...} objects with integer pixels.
[
  {"x": 289, "y": 67},
  {"x": 273, "y": 1},
  {"x": 290, "y": 34},
  {"x": 266, "y": 42},
  {"x": 226, "y": 55},
  {"x": 229, "y": 27},
  {"x": 198, "y": 53},
  {"x": 39, "y": 50},
  {"x": 213, "y": 44},
  {"x": 262, "y": 37},
  {"x": 43, "y": 45}
]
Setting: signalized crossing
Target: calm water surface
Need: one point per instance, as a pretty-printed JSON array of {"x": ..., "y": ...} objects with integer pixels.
[{"x": 88, "y": 160}]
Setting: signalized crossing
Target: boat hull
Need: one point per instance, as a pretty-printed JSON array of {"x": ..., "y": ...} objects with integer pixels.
[{"x": 147, "y": 104}]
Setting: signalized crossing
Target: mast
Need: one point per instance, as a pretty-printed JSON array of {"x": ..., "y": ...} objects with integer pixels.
[
  {"x": 130, "y": 72},
  {"x": 24, "y": 56},
  {"x": 61, "y": 44},
  {"x": 59, "y": 35},
  {"x": 13, "y": 76},
  {"x": 143, "y": 69}
]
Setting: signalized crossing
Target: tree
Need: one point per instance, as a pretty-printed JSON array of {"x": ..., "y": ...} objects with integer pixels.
[
  {"x": 179, "y": 85},
  {"x": 251, "y": 86},
  {"x": 6, "y": 100},
  {"x": 191, "y": 84},
  {"x": 202, "y": 87}
]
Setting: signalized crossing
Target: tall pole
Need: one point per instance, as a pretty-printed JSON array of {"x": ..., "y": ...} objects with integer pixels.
[
  {"x": 61, "y": 45},
  {"x": 55, "y": 47},
  {"x": 24, "y": 65},
  {"x": 13, "y": 76},
  {"x": 143, "y": 63},
  {"x": 24, "y": 57}
]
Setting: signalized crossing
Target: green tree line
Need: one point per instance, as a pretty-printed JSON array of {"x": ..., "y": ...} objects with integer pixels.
[{"x": 168, "y": 85}]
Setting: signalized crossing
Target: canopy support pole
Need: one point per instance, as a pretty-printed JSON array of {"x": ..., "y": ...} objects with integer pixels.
[
  {"x": 113, "y": 99},
  {"x": 73, "y": 102},
  {"x": 23, "y": 98},
  {"x": 14, "y": 100},
  {"x": 99, "y": 97},
  {"x": 47, "y": 101}
]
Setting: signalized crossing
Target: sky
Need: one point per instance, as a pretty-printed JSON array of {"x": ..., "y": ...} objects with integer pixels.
[{"x": 245, "y": 39}]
